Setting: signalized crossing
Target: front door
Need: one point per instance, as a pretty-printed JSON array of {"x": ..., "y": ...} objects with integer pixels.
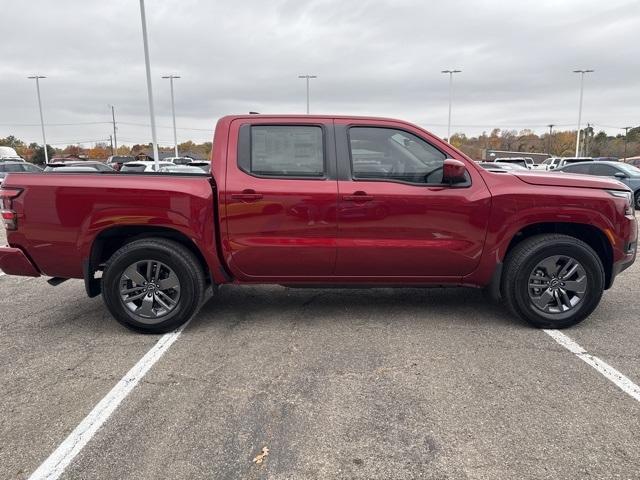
[
  {"x": 395, "y": 216},
  {"x": 280, "y": 199}
]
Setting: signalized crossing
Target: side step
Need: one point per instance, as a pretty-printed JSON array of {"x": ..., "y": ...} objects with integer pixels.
[{"x": 55, "y": 281}]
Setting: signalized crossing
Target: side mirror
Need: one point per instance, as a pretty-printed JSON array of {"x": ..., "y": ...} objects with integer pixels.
[
  {"x": 454, "y": 171},
  {"x": 619, "y": 175}
]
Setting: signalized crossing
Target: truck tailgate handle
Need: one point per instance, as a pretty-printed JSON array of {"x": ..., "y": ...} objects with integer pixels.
[
  {"x": 358, "y": 196},
  {"x": 248, "y": 195}
]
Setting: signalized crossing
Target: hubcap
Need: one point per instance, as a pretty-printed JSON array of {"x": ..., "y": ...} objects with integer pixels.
[
  {"x": 557, "y": 284},
  {"x": 149, "y": 289}
]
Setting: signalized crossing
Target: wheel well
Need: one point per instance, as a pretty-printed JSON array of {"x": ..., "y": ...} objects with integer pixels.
[
  {"x": 109, "y": 241},
  {"x": 592, "y": 236}
]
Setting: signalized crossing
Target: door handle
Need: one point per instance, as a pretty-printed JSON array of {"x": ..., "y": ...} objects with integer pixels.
[
  {"x": 358, "y": 196},
  {"x": 247, "y": 196}
]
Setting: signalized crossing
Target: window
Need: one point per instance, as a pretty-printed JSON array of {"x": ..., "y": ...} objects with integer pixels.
[
  {"x": 603, "y": 170},
  {"x": 281, "y": 151},
  {"x": 395, "y": 155},
  {"x": 584, "y": 168}
]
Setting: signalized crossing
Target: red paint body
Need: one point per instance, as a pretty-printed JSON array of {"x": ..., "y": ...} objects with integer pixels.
[{"x": 333, "y": 230}]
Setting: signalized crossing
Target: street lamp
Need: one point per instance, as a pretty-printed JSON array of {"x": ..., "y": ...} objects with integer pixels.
[
  {"x": 149, "y": 89},
  {"x": 44, "y": 139},
  {"x": 551, "y": 125},
  {"x": 173, "y": 112},
  {"x": 626, "y": 133},
  {"x": 450, "y": 72},
  {"x": 307, "y": 77},
  {"x": 581, "y": 72}
]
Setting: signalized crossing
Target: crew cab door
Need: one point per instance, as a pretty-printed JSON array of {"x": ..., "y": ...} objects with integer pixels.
[
  {"x": 395, "y": 216},
  {"x": 280, "y": 198}
]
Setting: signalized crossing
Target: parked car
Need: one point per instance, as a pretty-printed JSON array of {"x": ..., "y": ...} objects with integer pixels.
[
  {"x": 87, "y": 164},
  {"x": 503, "y": 166},
  {"x": 116, "y": 161},
  {"x": 550, "y": 163},
  {"x": 17, "y": 166},
  {"x": 635, "y": 161},
  {"x": 627, "y": 174},
  {"x": 8, "y": 154},
  {"x": 526, "y": 162},
  {"x": 178, "y": 160},
  {"x": 201, "y": 164},
  {"x": 143, "y": 166},
  {"x": 290, "y": 204},
  {"x": 182, "y": 169},
  {"x": 605, "y": 159}
]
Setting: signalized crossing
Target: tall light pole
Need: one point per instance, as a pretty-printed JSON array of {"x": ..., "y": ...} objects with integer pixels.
[
  {"x": 44, "y": 138},
  {"x": 307, "y": 77},
  {"x": 551, "y": 125},
  {"x": 581, "y": 72},
  {"x": 626, "y": 132},
  {"x": 115, "y": 138},
  {"x": 173, "y": 112},
  {"x": 450, "y": 72},
  {"x": 149, "y": 89}
]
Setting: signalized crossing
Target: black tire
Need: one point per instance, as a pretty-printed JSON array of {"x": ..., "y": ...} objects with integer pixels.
[
  {"x": 177, "y": 259},
  {"x": 522, "y": 261},
  {"x": 637, "y": 200}
]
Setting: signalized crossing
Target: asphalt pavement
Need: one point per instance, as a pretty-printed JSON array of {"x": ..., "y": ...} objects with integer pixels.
[{"x": 364, "y": 384}]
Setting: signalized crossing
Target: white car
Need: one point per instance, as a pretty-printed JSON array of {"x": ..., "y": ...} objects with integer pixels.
[
  {"x": 182, "y": 169},
  {"x": 144, "y": 166},
  {"x": 178, "y": 160}
]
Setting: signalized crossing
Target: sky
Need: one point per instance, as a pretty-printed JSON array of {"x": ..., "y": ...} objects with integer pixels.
[{"x": 381, "y": 58}]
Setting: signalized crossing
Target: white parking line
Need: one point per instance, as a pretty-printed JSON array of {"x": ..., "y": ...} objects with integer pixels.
[
  {"x": 55, "y": 465},
  {"x": 621, "y": 381}
]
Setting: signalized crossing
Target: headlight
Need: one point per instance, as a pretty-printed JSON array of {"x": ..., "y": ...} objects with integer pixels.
[{"x": 628, "y": 196}]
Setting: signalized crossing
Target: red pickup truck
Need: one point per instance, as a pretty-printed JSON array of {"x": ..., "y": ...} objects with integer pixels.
[{"x": 322, "y": 201}]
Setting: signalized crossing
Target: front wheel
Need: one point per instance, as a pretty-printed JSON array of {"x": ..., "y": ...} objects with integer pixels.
[
  {"x": 637, "y": 200},
  {"x": 552, "y": 280},
  {"x": 153, "y": 285}
]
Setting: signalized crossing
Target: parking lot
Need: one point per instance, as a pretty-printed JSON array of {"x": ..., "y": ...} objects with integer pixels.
[{"x": 382, "y": 383}]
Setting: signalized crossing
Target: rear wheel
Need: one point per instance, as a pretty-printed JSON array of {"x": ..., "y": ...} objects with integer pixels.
[
  {"x": 553, "y": 281},
  {"x": 153, "y": 285},
  {"x": 637, "y": 200}
]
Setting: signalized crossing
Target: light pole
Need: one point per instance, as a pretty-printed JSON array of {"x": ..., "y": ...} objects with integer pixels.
[
  {"x": 44, "y": 138},
  {"x": 581, "y": 72},
  {"x": 115, "y": 139},
  {"x": 626, "y": 132},
  {"x": 450, "y": 72},
  {"x": 173, "y": 112},
  {"x": 149, "y": 89},
  {"x": 307, "y": 77},
  {"x": 551, "y": 125}
]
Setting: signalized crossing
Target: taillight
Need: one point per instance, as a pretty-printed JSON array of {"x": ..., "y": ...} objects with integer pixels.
[{"x": 9, "y": 217}]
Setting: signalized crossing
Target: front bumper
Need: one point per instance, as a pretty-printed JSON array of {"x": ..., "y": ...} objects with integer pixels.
[{"x": 13, "y": 261}]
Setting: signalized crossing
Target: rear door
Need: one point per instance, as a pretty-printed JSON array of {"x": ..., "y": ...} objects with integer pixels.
[
  {"x": 395, "y": 217},
  {"x": 280, "y": 198}
]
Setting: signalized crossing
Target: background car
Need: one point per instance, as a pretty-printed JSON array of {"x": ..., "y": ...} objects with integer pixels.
[
  {"x": 627, "y": 174},
  {"x": 202, "y": 165},
  {"x": 550, "y": 163},
  {"x": 143, "y": 166},
  {"x": 94, "y": 166},
  {"x": 503, "y": 166},
  {"x": 178, "y": 160},
  {"x": 16, "y": 166},
  {"x": 182, "y": 169},
  {"x": 525, "y": 162},
  {"x": 635, "y": 161},
  {"x": 116, "y": 161}
]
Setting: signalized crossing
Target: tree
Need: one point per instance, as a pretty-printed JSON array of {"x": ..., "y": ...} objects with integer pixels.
[{"x": 38, "y": 154}]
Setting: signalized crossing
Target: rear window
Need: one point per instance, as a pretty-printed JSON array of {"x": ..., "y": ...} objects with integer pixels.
[
  {"x": 11, "y": 167},
  {"x": 286, "y": 151},
  {"x": 133, "y": 168}
]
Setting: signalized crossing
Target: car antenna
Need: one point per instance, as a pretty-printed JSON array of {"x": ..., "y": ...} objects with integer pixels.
[{"x": 254, "y": 113}]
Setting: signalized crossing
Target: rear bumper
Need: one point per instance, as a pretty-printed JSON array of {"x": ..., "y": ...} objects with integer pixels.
[{"x": 13, "y": 261}]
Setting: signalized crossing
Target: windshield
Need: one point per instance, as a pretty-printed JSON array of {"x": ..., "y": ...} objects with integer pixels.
[{"x": 630, "y": 169}]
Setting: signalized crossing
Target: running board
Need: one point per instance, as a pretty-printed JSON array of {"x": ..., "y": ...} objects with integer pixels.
[{"x": 55, "y": 281}]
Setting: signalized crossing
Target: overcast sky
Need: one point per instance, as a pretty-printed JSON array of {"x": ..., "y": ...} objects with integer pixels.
[{"x": 371, "y": 57}]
